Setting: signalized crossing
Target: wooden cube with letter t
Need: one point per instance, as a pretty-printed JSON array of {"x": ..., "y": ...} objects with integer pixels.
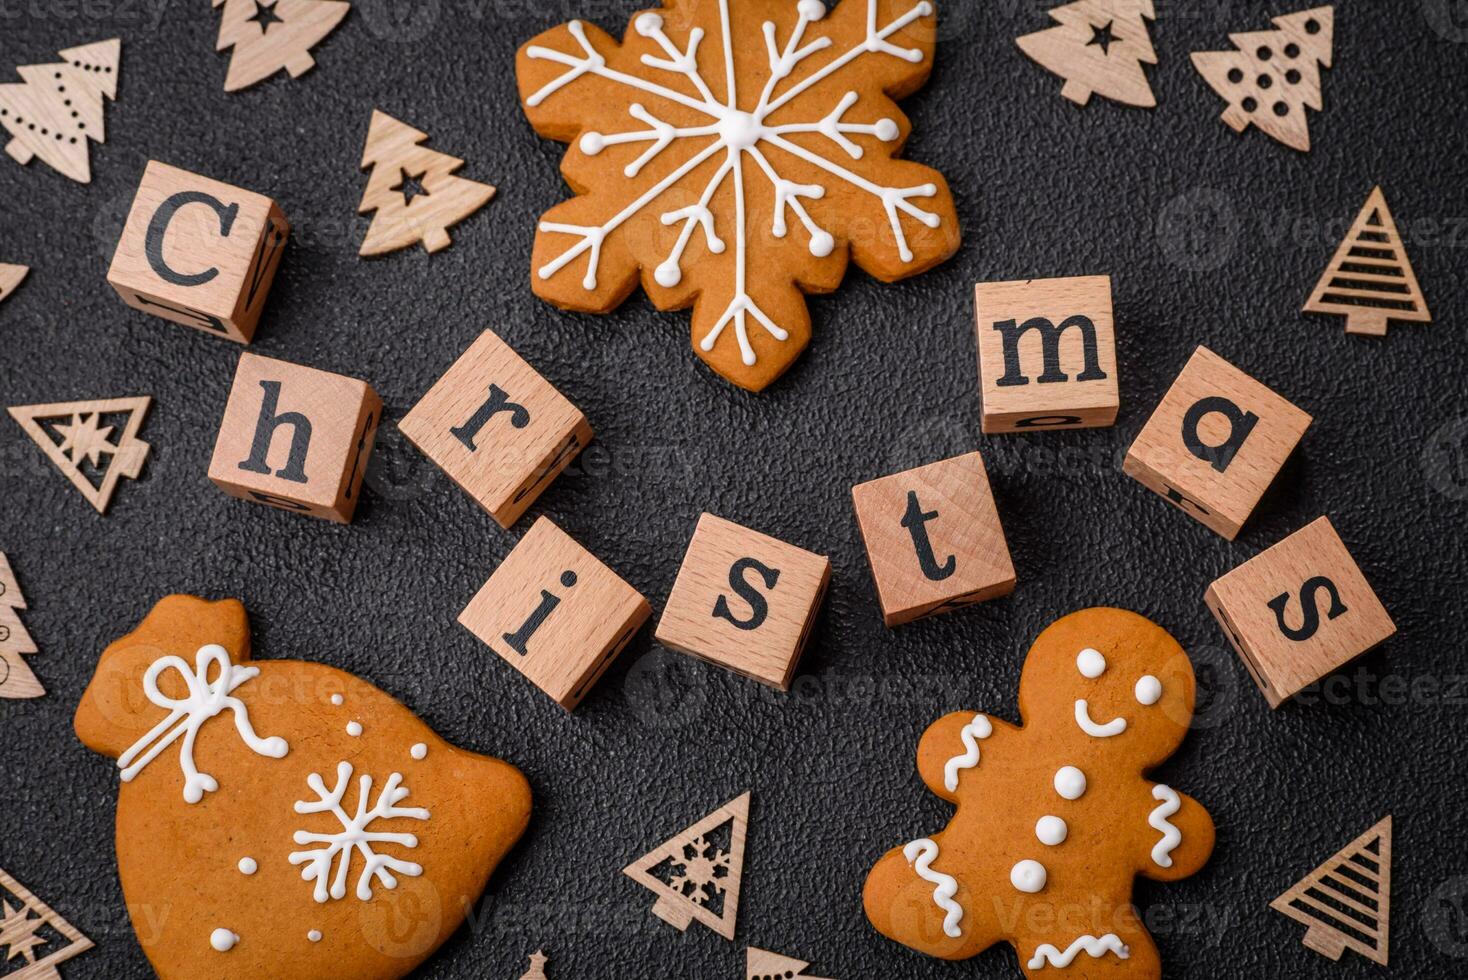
[
  {"x": 745, "y": 601},
  {"x": 1299, "y": 610},
  {"x": 296, "y": 438},
  {"x": 199, "y": 252},
  {"x": 556, "y": 613},
  {"x": 1047, "y": 354},
  {"x": 1215, "y": 443},
  {"x": 933, "y": 539},
  {"x": 497, "y": 428}
]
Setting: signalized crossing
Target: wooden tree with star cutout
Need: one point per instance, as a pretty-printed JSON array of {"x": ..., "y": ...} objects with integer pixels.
[
  {"x": 94, "y": 443},
  {"x": 269, "y": 36},
  {"x": 34, "y": 934},
  {"x": 1098, "y": 47}
]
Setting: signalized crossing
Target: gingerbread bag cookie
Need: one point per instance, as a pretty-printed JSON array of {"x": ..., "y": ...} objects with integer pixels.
[
  {"x": 735, "y": 153},
  {"x": 285, "y": 819},
  {"x": 1055, "y": 818}
]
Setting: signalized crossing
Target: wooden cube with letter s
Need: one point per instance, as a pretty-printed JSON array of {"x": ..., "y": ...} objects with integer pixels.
[
  {"x": 199, "y": 252},
  {"x": 1215, "y": 443},
  {"x": 296, "y": 438},
  {"x": 1299, "y": 610},
  {"x": 745, "y": 601}
]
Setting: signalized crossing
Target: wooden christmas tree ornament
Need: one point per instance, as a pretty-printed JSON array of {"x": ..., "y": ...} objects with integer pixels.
[
  {"x": 78, "y": 438},
  {"x": 11, "y": 277},
  {"x": 58, "y": 108},
  {"x": 269, "y": 36},
  {"x": 537, "y": 967},
  {"x": 700, "y": 876},
  {"x": 1370, "y": 280},
  {"x": 1098, "y": 47},
  {"x": 30, "y": 931},
  {"x": 1346, "y": 901},
  {"x": 412, "y": 189},
  {"x": 1273, "y": 75},
  {"x": 761, "y": 964},
  {"x": 10, "y": 594},
  {"x": 16, "y": 678}
]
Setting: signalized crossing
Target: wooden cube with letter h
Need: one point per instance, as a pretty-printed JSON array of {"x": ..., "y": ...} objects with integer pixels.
[
  {"x": 199, "y": 252},
  {"x": 1299, "y": 610},
  {"x": 1047, "y": 354},
  {"x": 745, "y": 601},
  {"x": 1215, "y": 443},
  {"x": 933, "y": 539},
  {"x": 296, "y": 438},
  {"x": 497, "y": 428},
  {"x": 555, "y": 613}
]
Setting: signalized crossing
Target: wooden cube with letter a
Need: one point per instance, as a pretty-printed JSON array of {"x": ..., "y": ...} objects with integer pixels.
[
  {"x": 1215, "y": 443},
  {"x": 745, "y": 601},
  {"x": 296, "y": 438},
  {"x": 199, "y": 252},
  {"x": 1299, "y": 610},
  {"x": 1047, "y": 354},
  {"x": 556, "y": 613},
  {"x": 933, "y": 539},
  {"x": 497, "y": 428}
]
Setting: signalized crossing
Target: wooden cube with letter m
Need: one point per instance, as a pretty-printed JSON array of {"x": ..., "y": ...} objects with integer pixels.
[{"x": 1047, "y": 354}]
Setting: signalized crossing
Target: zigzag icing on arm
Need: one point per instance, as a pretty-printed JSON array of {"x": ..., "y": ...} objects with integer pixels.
[
  {"x": 979, "y": 728},
  {"x": 920, "y": 854},
  {"x": 1171, "y": 836},
  {"x": 1048, "y": 955}
]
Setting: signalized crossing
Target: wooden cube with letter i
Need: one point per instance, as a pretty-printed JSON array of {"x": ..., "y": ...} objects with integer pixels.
[
  {"x": 296, "y": 438},
  {"x": 1299, "y": 610},
  {"x": 745, "y": 601},
  {"x": 1047, "y": 354},
  {"x": 555, "y": 613},
  {"x": 1215, "y": 443},
  {"x": 199, "y": 252},
  {"x": 933, "y": 539}
]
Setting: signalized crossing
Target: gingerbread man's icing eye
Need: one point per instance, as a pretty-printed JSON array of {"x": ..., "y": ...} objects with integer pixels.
[
  {"x": 1149, "y": 690},
  {"x": 1090, "y": 663}
]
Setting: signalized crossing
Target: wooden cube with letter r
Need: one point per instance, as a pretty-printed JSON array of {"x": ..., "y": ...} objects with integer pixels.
[
  {"x": 1047, "y": 354},
  {"x": 296, "y": 438},
  {"x": 745, "y": 601},
  {"x": 1299, "y": 610},
  {"x": 199, "y": 252},
  {"x": 1215, "y": 443}
]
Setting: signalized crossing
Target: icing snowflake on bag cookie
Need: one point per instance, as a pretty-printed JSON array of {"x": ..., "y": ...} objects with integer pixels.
[
  {"x": 1055, "y": 818},
  {"x": 732, "y": 154}
]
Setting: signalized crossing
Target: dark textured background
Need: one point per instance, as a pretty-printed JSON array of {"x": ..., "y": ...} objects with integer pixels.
[{"x": 1211, "y": 238}]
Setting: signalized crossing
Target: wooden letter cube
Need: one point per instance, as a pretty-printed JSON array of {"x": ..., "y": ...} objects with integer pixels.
[
  {"x": 1215, "y": 443},
  {"x": 745, "y": 601},
  {"x": 1299, "y": 610},
  {"x": 498, "y": 429},
  {"x": 556, "y": 613},
  {"x": 1047, "y": 354},
  {"x": 296, "y": 438},
  {"x": 933, "y": 539},
  {"x": 199, "y": 252}
]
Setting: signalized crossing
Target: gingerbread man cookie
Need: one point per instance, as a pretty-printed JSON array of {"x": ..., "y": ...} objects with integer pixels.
[
  {"x": 285, "y": 819},
  {"x": 735, "y": 153},
  {"x": 1055, "y": 817}
]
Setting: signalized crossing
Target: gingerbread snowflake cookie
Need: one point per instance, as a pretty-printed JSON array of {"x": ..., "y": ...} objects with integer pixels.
[
  {"x": 285, "y": 819},
  {"x": 735, "y": 153},
  {"x": 1056, "y": 817}
]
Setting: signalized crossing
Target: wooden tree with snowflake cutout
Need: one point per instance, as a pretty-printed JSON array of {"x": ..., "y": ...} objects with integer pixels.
[
  {"x": 269, "y": 36},
  {"x": 1346, "y": 901},
  {"x": 1098, "y": 47},
  {"x": 34, "y": 934},
  {"x": 696, "y": 874},
  {"x": 58, "y": 108}
]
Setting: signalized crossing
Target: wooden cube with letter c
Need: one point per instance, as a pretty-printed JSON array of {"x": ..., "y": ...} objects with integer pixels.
[
  {"x": 199, "y": 252},
  {"x": 497, "y": 428},
  {"x": 1299, "y": 610},
  {"x": 1047, "y": 354},
  {"x": 1215, "y": 443},
  {"x": 745, "y": 601},
  {"x": 296, "y": 438},
  {"x": 555, "y": 613},
  {"x": 933, "y": 539}
]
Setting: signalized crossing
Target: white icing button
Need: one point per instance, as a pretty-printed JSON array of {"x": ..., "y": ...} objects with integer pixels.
[
  {"x": 223, "y": 940},
  {"x": 336, "y": 699},
  {"x": 1051, "y": 831},
  {"x": 1028, "y": 876},
  {"x": 354, "y": 728},
  {"x": 648, "y": 24},
  {"x": 1149, "y": 690},
  {"x": 1070, "y": 783},
  {"x": 248, "y": 866},
  {"x": 811, "y": 9},
  {"x": 314, "y": 935},
  {"x": 419, "y": 751},
  {"x": 1090, "y": 663}
]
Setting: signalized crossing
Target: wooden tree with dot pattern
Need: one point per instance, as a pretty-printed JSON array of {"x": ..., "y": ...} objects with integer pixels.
[
  {"x": 58, "y": 107},
  {"x": 1274, "y": 75}
]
